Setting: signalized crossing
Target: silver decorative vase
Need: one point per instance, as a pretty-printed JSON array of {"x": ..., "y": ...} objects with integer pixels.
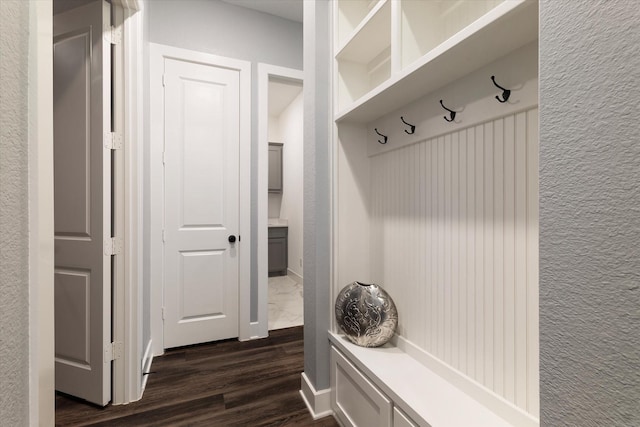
[{"x": 366, "y": 314}]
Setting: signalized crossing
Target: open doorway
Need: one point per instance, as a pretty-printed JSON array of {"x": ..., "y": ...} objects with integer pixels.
[
  {"x": 280, "y": 200},
  {"x": 285, "y": 192}
]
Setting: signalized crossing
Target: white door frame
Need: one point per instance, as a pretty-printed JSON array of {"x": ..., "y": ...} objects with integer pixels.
[
  {"x": 128, "y": 378},
  {"x": 157, "y": 54},
  {"x": 265, "y": 71}
]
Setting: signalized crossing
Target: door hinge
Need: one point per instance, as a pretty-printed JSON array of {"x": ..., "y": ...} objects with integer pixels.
[
  {"x": 113, "y": 351},
  {"x": 113, "y": 35},
  {"x": 164, "y": 157},
  {"x": 164, "y": 236},
  {"x": 164, "y": 80},
  {"x": 162, "y": 313},
  {"x": 112, "y": 246},
  {"x": 112, "y": 140}
]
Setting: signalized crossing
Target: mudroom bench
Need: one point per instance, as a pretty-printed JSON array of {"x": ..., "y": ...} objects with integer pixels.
[{"x": 398, "y": 385}]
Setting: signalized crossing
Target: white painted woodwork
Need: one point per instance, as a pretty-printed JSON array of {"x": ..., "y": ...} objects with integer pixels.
[
  {"x": 426, "y": 24},
  {"x": 462, "y": 264},
  {"x": 364, "y": 60},
  {"x": 423, "y": 69},
  {"x": 445, "y": 219},
  {"x": 427, "y": 391},
  {"x": 400, "y": 419},
  {"x": 356, "y": 401},
  {"x": 201, "y": 202},
  {"x": 352, "y": 14},
  {"x": 82, "y": 185}
]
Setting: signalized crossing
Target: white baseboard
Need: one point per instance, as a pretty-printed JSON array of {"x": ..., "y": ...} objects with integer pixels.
[
  {"x": 294, "y": 276},
  {"x": 254, "y": 329},
  {"x": 318, "y": 402},
  {"x": 147, "y": 359}
]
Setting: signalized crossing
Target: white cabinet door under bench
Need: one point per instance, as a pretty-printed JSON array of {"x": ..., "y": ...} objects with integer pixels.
[{"x": 356, "y": 401}]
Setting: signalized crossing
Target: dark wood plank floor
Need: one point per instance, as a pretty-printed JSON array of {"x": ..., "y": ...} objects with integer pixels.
[{"x": 228, "y": 383}]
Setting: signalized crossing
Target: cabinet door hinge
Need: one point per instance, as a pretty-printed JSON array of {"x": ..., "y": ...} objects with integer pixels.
[
  {"x": 164, "y": 80},
  {"x": 112, "y": 140},
  {"x": 164, "y": 157},
  {"x": 113, "y": 351},
  {"x": 164, "y": 236},
  {"x": 113, "y": 246},
  {"x": 162, "y": 313},
  {"x": 113, "y": 35}
]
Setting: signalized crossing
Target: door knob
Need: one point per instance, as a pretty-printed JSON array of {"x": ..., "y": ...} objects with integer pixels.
[{"x": 232, "y": 239}]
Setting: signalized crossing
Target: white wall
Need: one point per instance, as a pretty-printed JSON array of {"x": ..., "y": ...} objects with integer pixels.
[
  {"x": 274, "y": 129},
  {"x": 216, "y": 27},
  {"x": 291, "y": 128},
  {"x": 589, "y": 213}
]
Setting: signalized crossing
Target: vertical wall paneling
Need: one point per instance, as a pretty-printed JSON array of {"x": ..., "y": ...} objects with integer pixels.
[
  {"x": 533, "y": 372},
  {"x": 498, "y": 260},
  {"x": 454, "y": 232},
  {"x": 421, "y": 339},
  {"x": 521, "y": 256},
  {"x": 470, "y": 244},
  {"x": 489, "y": 224},
  {"x": 479, "y": 253},
  {"x": 462, "y": 244},
  {"x": 434, "y": 283},
  {"x": 455, "y": 250},
  {"x": 446, "y": 309},
  {"x": 509, "y": 260},
  {"x": 440, "y": 314}
]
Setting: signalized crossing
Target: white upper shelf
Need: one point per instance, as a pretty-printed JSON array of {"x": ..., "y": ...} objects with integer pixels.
[
  {"x": 370, "y": 36},
  {"x": 510, "y": 25}
]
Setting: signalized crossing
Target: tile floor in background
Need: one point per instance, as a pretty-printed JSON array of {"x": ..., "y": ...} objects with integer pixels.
[{"x": 285, "y": 303}]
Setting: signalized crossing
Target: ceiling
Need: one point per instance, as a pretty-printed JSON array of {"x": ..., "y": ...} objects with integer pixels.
[
  {"x": 287, "y": 9},
  {"x": 281, "y": 93}
]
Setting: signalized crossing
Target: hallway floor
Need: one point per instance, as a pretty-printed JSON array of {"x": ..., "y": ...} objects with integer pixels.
[
  {"x": 228, "y": 383},
  {"x": 285, "y": 303}
]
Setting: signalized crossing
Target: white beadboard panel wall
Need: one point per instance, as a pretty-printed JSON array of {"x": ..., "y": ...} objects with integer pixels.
[{"x": 454, "y": 240}]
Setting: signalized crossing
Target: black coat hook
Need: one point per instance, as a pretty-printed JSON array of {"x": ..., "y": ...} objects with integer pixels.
[
  {"x": 453, "y": 113},
  {"x": 384, "y": 136},
  {"x": 505, "y": 92},
  {"x": 412, "y": 127}
]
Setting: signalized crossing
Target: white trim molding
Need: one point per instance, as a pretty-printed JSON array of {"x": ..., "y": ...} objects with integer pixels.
[
  {"x": 133, "y": 50},
  {"x": 266, "y": 71},
  {"x": 147, "y": 359},
  {"x": 318, "y": 402},
  {"x": 41, "y": 246},
  {"x": 158, "y": 53},
  {"x": 295, "y": 276}
]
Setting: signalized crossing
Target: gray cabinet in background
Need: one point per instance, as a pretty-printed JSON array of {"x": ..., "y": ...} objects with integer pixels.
[
  {"x": 278, "y": 251},
  {"x": 275, "y": 167}
]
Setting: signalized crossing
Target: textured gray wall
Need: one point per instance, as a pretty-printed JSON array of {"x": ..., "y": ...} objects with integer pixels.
[
  {"x": 317, "y": 205},
  {"x": 14, "y": 211},
  {"x": 590, "y": 213},
  {"x": 223, "y": 29}
]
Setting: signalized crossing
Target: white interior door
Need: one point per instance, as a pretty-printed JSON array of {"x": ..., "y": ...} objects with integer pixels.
[
  {"x": 82, "y": 200},
  {"x": 201, "y": 173}
]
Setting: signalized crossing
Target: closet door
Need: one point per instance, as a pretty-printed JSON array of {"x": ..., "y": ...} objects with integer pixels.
[{"x": 82, "y": 199}]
